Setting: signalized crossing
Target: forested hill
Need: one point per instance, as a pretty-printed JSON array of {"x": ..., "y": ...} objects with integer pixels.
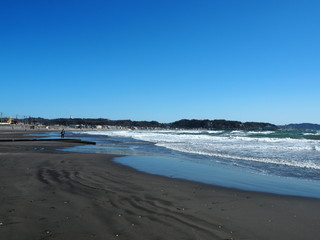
[
  {"x": 222, "y": 125},
  {"x": 181, "y": 124}
]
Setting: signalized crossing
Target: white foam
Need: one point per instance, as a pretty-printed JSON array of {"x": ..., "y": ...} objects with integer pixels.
[
  {"x": 312, "y": 134},
  {"x": 278, "y": 161},
  {"x": 260, "y": 132}
]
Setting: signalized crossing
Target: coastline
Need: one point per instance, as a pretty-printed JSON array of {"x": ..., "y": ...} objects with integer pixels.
[{"x": 50, "y": 194}]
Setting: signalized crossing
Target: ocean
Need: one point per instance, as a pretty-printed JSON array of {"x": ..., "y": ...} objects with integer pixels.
[{"x": 283, "y": 162}]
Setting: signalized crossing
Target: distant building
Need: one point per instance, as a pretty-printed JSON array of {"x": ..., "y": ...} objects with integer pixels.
[{"x": 8, "y": 120}]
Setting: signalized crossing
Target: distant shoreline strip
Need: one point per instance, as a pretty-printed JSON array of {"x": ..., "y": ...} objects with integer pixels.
[{"x": 48, "y": 140}]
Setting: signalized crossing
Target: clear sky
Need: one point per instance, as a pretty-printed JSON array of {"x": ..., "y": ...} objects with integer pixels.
[{"x": 161, "y": 60}]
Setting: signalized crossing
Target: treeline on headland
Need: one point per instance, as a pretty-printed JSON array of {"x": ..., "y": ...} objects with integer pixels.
[
  {"x": 301, "y": 126},
  {"x": 181, "y": 124}
]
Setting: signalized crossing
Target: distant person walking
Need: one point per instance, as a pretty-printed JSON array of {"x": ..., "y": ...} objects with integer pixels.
[{"x": 62, "y": 133}]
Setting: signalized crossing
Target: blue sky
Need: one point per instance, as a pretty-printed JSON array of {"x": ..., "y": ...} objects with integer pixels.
[{"x": 161, "y": 60}]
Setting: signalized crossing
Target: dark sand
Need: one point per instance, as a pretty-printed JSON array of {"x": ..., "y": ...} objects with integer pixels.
[{"x": 49, "y": 194}]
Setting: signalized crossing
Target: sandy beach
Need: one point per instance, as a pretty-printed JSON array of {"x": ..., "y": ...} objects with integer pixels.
[{"x": 50, "y": 194}]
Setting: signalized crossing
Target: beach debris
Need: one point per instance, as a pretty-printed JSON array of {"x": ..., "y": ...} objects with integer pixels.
[
  {"x": 119, "y": 215},
  {"x": 132, "y": 224},
  {"x": 180, "y": 209},
  {"x": 117, "y": 235},
  {"x": 1, "y": 223}
]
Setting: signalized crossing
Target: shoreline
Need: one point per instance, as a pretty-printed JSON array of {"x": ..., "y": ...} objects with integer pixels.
[{"x": 50, "y": 194}]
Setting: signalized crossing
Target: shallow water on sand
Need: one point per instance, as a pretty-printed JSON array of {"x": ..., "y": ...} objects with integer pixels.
[{"x": 222, "y": 175}]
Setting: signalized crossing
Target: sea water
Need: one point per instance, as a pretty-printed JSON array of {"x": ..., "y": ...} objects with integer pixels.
[{"x": 283, "y": 162}]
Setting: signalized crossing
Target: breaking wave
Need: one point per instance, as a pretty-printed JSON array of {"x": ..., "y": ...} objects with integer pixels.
[{"x": 270, "y": 147}]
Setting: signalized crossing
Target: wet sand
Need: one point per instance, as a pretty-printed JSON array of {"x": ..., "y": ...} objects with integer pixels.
[{"x": 49, "y": 194}]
